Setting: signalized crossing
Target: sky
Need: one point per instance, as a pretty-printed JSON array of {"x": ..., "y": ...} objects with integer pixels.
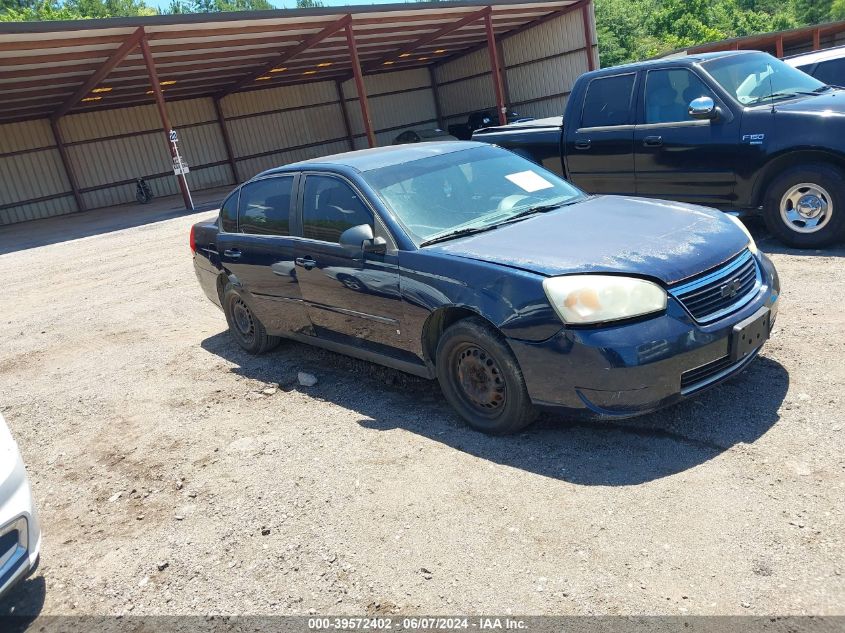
[{"x": 290, "y": 4}]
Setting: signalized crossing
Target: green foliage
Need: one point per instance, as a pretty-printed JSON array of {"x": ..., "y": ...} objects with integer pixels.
[
  {"x": 216, "y": 6},
  {"x": 33, "y": 10},
  {"x": 631, "y": 30}
]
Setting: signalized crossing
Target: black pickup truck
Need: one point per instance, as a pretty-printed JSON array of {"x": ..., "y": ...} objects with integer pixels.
[{"x": 738, "y": 131}]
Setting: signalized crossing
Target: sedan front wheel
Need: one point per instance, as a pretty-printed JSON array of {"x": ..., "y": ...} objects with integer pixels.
[{"x": 481, "y": 379}]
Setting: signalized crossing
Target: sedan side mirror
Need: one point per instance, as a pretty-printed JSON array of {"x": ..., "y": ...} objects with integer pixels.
[
  {"x": 360, "y": 239},
  {"x": 703, "y": 108}
]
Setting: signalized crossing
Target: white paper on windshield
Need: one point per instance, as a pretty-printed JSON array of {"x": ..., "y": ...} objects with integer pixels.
[{"x": 529, "y": 181}]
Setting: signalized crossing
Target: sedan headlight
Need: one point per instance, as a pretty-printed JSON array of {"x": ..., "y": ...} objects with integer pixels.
[
  {"x": 752, "y": 245},
  {"x": 582, "y": 299}
]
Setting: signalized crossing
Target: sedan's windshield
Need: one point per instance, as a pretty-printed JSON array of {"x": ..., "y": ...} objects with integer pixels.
[
  {"x": 472, "y": 189},
  {"x": 758, "y": 77}
]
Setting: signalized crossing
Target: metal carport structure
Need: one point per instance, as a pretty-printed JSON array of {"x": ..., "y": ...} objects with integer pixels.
[{"x": 82, "y": 99}]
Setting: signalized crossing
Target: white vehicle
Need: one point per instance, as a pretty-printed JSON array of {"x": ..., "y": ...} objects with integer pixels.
[{"x": 20, "y": 535}]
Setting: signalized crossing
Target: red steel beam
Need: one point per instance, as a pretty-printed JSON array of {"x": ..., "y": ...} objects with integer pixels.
[
  {"x": 430, "y": 37},
  {"x": 165, "y": 120},
  {"x": 817, "y": 39},
  {"x": 779, "y": 46},
  {"x": 318, "y": 37},
  {"x": 118, "y": 56},
  {"x": 71, "y": 177},
  {"x": 588, "y": 37},
  {"x": 496, "y": 71},
  {"x": 359, "y": 86}
]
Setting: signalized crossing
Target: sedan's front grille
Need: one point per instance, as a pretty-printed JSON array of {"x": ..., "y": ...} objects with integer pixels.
[
  {"x": 701, "y": 374},
  {"x": 700, "y": 377},
  {"x": 719, "y": 292}
]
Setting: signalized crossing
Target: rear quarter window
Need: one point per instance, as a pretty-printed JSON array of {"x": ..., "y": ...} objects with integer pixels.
[
  {"x": 229, "y": 214},
  {"x": 608, "y": 101}
]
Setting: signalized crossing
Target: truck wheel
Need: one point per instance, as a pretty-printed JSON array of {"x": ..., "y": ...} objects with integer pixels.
[
  {"x": 805, "y": 206},
  {"x": 481, "y": 379},
  {"x": 244, "y": 326}
]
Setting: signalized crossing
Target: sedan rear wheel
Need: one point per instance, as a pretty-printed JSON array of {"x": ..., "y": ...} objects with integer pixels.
[
  {"x": 245, "y": 327},
  {"x": 481, "y": 379}
]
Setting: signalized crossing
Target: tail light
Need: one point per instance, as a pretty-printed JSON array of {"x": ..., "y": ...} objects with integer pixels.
[{"x": 193, "y": 241}]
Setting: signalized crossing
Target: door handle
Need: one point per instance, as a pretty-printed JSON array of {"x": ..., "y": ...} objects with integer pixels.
[
  {"x": 583, "y": 144},
  {"x": 653, "y": 141},
  {"x": 234, "y": 253},
  {"x": 306, "y": 262}
]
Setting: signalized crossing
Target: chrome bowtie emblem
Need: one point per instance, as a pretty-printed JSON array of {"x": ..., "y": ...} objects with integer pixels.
[{"x": 731, "y": 288}]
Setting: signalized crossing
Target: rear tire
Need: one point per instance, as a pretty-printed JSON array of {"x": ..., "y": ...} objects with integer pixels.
[
  {"x": 481, "y": 378},
  {"x": 805, "y": 206},
  {"x": 245, "y": 327}
]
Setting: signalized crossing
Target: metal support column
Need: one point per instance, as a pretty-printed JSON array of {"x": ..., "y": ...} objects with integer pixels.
[
  {"x": 493, "y": 52},
  {"x": 165, "y": 120},
  {"x": 359, "y": 86}
]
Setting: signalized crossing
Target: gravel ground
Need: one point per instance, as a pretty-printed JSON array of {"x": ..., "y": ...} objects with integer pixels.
[{"x": 177, "y": 475}]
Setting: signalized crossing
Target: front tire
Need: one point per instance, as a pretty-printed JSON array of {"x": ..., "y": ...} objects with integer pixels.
[
  {"x": 805, "y": 206},
  {"x": 245, "y": 327},
  {"x": 481, "y": 378}
]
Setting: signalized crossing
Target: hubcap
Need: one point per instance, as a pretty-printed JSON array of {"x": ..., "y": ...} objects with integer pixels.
[
  {"x": 480, "y": 380},
  {"x": 243, "y": 319},
  {"x": 806, "y": 208}
]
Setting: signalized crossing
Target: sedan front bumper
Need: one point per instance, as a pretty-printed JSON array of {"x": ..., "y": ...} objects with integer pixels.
[{"x": 637, "y": 367}]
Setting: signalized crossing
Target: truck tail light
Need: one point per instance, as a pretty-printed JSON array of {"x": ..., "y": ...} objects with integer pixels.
[{"x": 193, "y": 241}]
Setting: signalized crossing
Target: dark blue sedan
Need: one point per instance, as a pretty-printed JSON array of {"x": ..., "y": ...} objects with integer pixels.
[{"x": 468, "y": 263}]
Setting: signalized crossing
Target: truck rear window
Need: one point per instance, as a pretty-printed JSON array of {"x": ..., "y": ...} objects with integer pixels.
[{"x": 608, "y": 101}]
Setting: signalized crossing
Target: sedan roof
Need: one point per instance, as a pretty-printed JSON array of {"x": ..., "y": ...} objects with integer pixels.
[{"x": 367, "y": 159}]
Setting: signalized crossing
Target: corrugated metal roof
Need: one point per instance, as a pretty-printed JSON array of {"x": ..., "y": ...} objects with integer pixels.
[{"x": 44, "y": 64}]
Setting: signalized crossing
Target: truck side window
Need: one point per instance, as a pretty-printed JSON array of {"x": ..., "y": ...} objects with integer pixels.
[
  {"x": 330, "y": 207},
  {"x": 265, "y": 206},
  {"x": 229, "y": 214},
  {"x": 668, "y": 94},
  {"x": 608, "y": 101}
]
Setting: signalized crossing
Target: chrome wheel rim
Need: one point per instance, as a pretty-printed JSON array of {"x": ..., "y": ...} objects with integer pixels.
[
  {"x": 806, "y": 207},
  {"x": 480, "y": 380}
]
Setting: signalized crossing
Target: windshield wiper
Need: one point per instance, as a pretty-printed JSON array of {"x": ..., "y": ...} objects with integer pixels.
[
  {"x": 786, "y": 95},
  {"x": 540, "y": 208},
  {"x": 459, "y": 233},
  {"x": 826, "y": 87}
]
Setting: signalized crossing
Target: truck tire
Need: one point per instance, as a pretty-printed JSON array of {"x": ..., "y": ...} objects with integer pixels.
[
  {"x": 804, "y": 206},
  {"x": 245, "y": 327},
  {"x": 481, "y": 379}
]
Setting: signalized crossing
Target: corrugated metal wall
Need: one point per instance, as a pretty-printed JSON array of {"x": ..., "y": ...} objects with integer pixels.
[
  {"x": 33, "y": 183},
  {"x": 108, "y": 149},
  {"x": 398, "y": 101},
  {"x": 282, "y": 125},
  {"x": 540, "y": 66}
]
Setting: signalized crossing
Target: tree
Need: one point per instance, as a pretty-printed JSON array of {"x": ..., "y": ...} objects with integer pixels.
[{"x": 217, "y": 6}]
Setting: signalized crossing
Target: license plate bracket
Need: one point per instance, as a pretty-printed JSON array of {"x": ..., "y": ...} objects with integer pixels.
[{"x": 750, "y": 334}]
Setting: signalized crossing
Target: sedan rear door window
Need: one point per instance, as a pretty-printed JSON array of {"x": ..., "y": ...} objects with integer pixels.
[{"x": 265, "y": 206}]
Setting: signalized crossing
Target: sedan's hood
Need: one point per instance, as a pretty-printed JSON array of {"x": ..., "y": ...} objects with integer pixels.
[{"x": 669, "y": 241}]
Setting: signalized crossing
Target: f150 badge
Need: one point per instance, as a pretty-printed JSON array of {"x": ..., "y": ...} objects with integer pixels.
[{"x": 753, "y": 139}]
